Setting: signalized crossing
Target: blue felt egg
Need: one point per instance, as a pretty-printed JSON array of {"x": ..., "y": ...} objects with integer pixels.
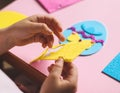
[{"x": 90, "y": 28}]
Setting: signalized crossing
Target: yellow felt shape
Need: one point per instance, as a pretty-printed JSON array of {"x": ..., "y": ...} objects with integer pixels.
[
  {"x": 68, "y": 51},
  {"x": 8, "y": 18},
  {"x": 74, "y": 37}
]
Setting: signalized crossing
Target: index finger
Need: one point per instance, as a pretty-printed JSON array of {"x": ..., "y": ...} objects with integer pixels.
[{"x": 53, "y": 24}]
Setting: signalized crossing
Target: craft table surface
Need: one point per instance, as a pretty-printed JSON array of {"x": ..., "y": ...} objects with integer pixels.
[{"x": 90, "y": 80}]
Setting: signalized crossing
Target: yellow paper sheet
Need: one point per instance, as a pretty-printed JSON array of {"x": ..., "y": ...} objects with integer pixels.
[{"x": 8, "y": 18}]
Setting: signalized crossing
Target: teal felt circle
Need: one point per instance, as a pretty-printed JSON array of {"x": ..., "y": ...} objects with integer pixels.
[{"x": 91, "y": 27}]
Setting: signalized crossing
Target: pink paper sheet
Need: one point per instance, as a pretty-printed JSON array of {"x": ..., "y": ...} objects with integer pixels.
[{"x": 54, "y": 5}]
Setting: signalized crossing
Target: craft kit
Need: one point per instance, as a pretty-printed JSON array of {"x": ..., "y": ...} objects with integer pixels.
[{"x": 83, "y": 38}]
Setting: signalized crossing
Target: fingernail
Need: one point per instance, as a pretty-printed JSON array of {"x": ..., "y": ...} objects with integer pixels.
[
  {"x": 62, "y": 38},
  {"x": 49, "y": 32}
]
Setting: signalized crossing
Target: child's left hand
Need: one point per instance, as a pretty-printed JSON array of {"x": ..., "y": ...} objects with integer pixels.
[{"x": 36, "y": 28}]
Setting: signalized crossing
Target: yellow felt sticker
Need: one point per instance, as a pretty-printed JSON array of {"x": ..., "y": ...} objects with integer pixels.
[
  {"x": 68, "y": 51},
  {"x": 8, "y": 18}
]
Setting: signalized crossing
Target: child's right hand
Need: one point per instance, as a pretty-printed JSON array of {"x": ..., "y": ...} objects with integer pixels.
[{"x": 55, "y": 84}]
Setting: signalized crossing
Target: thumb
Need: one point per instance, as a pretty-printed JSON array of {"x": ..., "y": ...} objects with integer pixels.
[
  {"x": 58, "y": 67},
  {"x": 41, "y": 28}
]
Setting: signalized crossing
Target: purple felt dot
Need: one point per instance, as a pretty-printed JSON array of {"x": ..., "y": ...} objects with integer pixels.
[{"x": 72, "y": 28}]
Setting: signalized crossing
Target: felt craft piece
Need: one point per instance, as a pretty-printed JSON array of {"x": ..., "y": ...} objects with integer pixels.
[
  {"x": 8, "y": 18},
  {"x": 90, "y": 30},
  {"x": 74, "y": 37},
  {"x": 54, "y": 5},
  {"x": 68, "y": 51},
  {"x": 113, "y": 68}
]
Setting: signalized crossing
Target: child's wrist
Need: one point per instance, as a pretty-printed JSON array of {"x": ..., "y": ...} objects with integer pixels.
[{"x": 7, "y": 37}]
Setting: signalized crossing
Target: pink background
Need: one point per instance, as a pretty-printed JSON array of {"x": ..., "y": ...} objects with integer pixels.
[{"x": 91, "y": 80}]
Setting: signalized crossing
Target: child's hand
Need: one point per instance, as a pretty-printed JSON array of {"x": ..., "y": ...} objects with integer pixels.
[
  {"x": 55, "y": 84},
  {"x": 35, "y": 29}
]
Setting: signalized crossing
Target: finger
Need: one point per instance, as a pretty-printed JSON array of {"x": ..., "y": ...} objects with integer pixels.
[
  {"x": 53, "y": 24},
  {"x": 35, "y": 38},
  {"x": 46, "y": 40},
  {"x": 50, "y": 67},
  {"x": 50, "y": 40},
  {"x": 40, "y": 28},
  {"x": 46, "y": 24},
  {"x": 59, "y": 35},
  {"x": 44, "y": 45},
  {"x": 58, "y": 67},
  {"x": 50, "y": 21},
  {"x": 72, "y": 73},
  {"x": 40, "y": 38},
  {"x": 64, "y": 72}
]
